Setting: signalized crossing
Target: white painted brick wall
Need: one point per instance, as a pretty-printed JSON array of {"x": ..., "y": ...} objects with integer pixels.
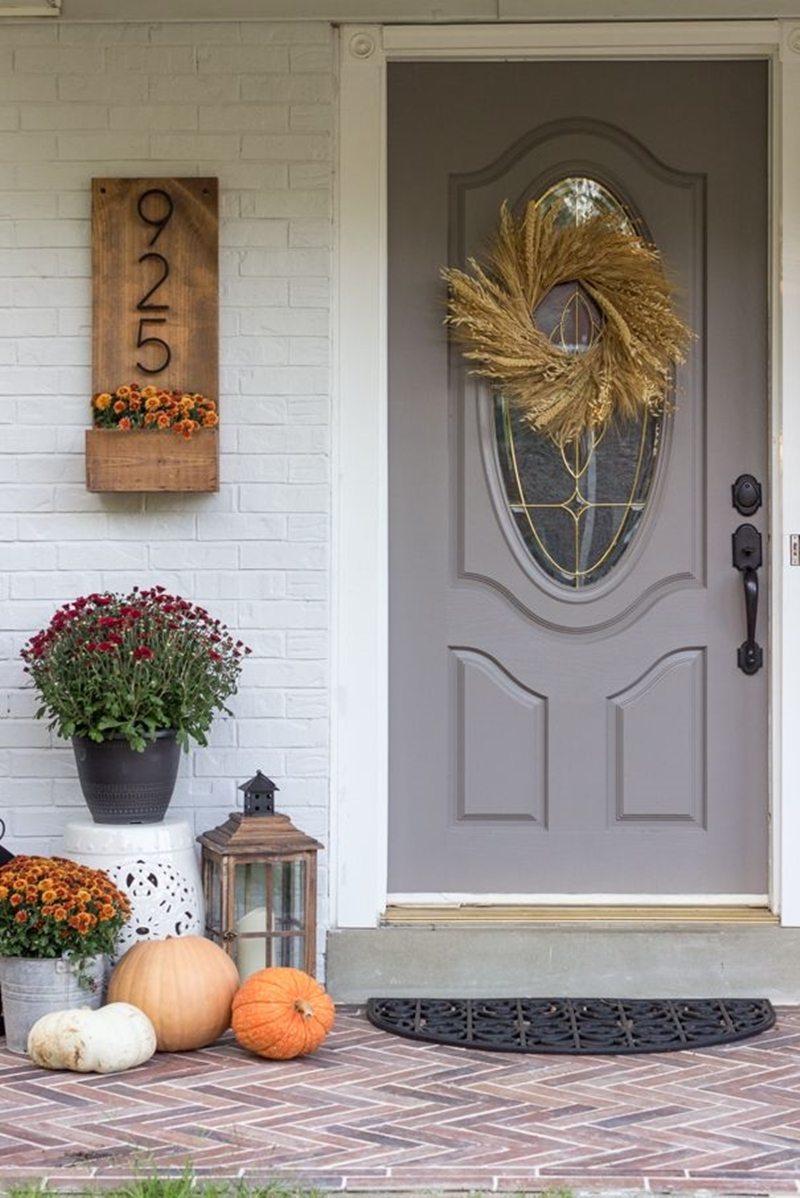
[{"x": 252, "y": 104}]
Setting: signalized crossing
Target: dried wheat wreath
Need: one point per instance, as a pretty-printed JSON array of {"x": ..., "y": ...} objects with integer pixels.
[{"x": 628, "y": 365}]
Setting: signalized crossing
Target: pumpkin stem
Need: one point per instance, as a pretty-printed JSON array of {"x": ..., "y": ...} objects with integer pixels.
[{"x": 303, "y": 1008}]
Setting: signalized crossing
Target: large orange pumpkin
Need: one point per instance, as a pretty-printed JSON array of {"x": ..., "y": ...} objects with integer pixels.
[
  {"x": 281, "y": 1013},
  {"x": 185, "y": 986}
]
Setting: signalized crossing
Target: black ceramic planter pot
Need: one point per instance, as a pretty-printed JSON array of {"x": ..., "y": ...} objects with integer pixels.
[{"x": 121, "y": 786}]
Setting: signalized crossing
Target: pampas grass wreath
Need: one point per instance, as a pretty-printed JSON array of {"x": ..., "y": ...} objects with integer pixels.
[{"x": 628, "y": 366}]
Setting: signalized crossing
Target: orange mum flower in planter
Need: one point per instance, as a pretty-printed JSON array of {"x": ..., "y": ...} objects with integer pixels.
[{"x": 135, "y": 407}]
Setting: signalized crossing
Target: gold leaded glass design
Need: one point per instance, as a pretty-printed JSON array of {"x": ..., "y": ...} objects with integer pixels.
[{"x": 576, "y": 507}]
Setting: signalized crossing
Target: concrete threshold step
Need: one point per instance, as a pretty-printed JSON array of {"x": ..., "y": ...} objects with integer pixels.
[{"x": 572, "y": 959}]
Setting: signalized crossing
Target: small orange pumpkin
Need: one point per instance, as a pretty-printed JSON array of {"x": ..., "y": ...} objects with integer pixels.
[
  {"x": 281, "y": 1013},
  {"x": 185, "y": 986}
]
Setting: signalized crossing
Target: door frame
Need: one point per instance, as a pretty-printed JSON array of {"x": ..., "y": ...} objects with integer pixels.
[{"x": 360, "y": 584}]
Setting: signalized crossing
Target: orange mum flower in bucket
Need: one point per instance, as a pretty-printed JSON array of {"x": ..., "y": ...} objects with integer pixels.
[{"x": 85, "y": 923}]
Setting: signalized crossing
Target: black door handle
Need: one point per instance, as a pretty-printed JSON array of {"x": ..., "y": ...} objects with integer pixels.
[{"x": 747, "y": 559}]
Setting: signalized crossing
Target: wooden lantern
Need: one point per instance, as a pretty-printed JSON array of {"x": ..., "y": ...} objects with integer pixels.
[{"x": 260, "y": 885}]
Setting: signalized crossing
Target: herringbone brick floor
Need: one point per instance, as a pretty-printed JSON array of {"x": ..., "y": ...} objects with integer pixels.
[{"x": 370, "y": 1112}]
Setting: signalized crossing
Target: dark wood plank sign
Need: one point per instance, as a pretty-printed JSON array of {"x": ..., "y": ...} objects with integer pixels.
[{"x": 155, "y": 320}]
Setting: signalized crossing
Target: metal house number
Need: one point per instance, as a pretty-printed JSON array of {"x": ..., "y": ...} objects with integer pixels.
[{"x": 155, "y": 208}]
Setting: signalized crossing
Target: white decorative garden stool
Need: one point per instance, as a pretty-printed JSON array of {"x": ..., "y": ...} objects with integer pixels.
[{"x": 155, "y": 865}]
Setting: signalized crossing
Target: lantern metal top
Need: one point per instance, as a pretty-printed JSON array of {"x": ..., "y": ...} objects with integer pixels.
[
  {"x": 253, "y": 835},
  {"x": 259, "y": 795}
]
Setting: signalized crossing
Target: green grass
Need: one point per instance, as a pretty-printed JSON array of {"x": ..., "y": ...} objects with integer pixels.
[
  {"x": 155, "y": 1186},
  {"x": 151, "y": 1185}
]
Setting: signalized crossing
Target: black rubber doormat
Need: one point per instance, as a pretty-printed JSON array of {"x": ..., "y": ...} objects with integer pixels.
[{"x": 573, "y": 1025}]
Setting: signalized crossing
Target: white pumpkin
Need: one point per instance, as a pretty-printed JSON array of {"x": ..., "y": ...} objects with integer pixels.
[{"x": 115, "y": 1037}]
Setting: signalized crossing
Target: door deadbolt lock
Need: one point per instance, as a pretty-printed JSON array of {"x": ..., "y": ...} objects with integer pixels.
[{"x": 746, "y": 493}]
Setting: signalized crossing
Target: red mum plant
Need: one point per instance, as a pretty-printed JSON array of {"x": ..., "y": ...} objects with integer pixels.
[
  {"x": 110, "y": 665},
  {"x": 132, "y": 407},
  {"x": 51, "y": 907}
]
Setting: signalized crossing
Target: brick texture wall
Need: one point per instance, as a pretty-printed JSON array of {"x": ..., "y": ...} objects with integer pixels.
[{"x": 250, "y": 103}]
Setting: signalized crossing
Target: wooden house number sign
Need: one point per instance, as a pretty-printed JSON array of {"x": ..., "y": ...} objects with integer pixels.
[{"x": 155, "y": 320}]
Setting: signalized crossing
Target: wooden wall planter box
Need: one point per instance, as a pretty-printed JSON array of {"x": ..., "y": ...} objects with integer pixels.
[{"x": 142, "y": 460}]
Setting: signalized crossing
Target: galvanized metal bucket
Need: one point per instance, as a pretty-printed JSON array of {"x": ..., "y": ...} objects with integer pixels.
[{"x": 32, "y": 988}]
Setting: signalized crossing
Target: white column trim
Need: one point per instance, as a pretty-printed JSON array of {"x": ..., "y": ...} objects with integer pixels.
[
  {"x": 359, "y": 780},
  {"x": 786, "y": 448},
  {"x": 359, "y": 695}
]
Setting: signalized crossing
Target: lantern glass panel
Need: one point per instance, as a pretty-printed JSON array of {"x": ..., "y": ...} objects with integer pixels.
[
  {"x": 250, "y": 888},
  {"x": 270, "y": 914},
  {"x": 213, "y": 896},
  {"x": 289, "y": 895}
]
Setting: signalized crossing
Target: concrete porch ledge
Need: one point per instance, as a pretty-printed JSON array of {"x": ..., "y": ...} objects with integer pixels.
[{"x": 572, "y": 961}]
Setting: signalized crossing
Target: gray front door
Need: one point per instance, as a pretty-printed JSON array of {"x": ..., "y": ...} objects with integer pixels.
[{"x": 567, "y": 715}]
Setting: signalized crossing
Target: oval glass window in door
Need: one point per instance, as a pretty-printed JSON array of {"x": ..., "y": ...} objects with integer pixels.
[{"x": 576, "y": 508}]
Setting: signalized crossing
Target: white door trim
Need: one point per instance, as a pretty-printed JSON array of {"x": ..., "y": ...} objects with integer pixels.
[{"x": 359, "y": 774}]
